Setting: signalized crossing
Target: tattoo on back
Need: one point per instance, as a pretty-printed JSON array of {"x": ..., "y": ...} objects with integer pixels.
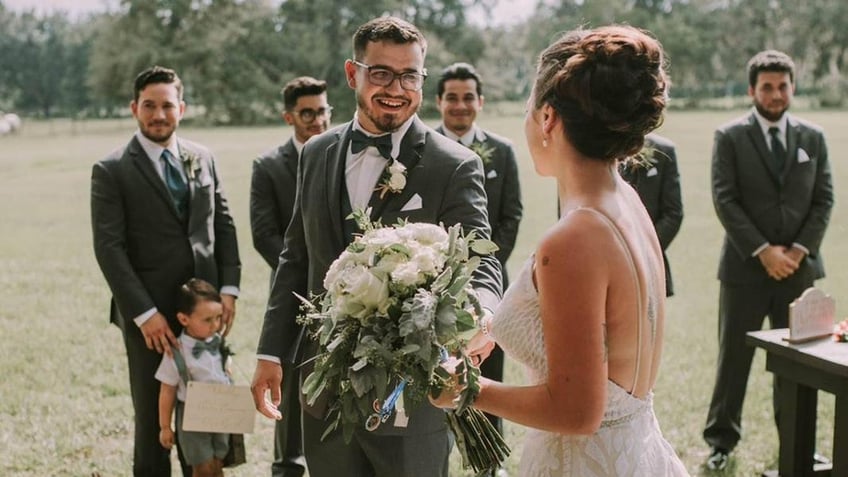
[{"x": 545, "y": 260}]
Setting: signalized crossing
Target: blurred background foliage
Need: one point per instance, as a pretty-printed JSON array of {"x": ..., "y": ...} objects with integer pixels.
[{"x": 235, "y": 55}]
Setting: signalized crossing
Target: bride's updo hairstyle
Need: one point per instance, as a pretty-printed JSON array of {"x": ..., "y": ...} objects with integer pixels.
[{"x": 608, "y": 85}]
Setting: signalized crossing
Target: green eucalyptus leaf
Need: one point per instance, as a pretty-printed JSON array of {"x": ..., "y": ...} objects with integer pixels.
[{"x": 484, "y": 247}]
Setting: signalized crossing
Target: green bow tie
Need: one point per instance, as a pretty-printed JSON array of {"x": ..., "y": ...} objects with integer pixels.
[{"x": 212, "y": 347}]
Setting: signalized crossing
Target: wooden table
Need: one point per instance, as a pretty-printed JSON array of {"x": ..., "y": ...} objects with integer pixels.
[{"x": 805, "y": 369}]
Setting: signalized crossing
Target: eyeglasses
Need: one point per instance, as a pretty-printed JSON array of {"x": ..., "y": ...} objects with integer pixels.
[
  {"x": 308, "y": 114},
  {"x": 379, "y": 76}
]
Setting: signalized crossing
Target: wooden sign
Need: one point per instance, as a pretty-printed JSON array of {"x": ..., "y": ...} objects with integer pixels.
[
  {"x": 215, "y": 407},
  {"x": 811, "y": 316}
]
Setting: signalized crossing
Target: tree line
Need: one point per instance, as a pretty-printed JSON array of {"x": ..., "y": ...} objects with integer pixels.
[{"x": 235, "y": 55}]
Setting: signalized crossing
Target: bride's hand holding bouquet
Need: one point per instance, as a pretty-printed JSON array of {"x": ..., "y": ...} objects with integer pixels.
[{"x": 399, "y": 303}]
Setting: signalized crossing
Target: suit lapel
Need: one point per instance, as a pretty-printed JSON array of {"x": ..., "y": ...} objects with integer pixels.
[
  {"x": 195, "y": 203},
  {"x": 145, "y": 166},
  {"x": 759, "y": 141},
  {"x": 793, "y": 135},
  {"x": 334, "y": 160},
  {"x": 290, "y": 157},
  {"x": 410, "y": 153}
]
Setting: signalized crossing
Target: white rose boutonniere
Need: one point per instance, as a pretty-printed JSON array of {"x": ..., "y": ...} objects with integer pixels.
[
  {"x": 191, "y": 163},
  {"x": 393, "y": 179},
  {"x": 484, "y": 152}
]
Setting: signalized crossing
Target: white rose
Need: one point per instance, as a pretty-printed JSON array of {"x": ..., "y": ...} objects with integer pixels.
[
  {"x": 364, "y": 291},
  {"x": 426, "y": 233},
  {"x": 397, "y": 167},
  {"x": 407, "y": 275},
  {"x": 397, "y": 181}
]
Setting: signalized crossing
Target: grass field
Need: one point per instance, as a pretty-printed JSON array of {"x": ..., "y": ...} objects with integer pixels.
[{"x": 65, "y": 407}]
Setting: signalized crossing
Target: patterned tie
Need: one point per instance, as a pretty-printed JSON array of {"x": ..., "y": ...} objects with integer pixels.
[
  {"x": 777, "y": 149},
  {"x": 212, "y": 347},
  {"x": 359, "y": 141},
  {"x": 176, "y": 185}
]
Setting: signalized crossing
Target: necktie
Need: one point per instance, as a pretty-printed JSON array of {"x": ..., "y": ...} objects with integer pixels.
[
  {"x": 174, "y": 180},
  {"x": 777, "y": 149},
  {"x": 359, "y": 141},
  {"x": 212, "y": 346}
]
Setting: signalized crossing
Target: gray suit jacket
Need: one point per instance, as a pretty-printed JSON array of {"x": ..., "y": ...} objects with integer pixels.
[
  {"x": 447, "y": 177},
  {"x": 658, "y": 185},
  {"x": 503, "y": 192},
  {"x": 758, "y": 204},
  {"x": 272, "y": 190},
  {"x": 143, "y": 248}
]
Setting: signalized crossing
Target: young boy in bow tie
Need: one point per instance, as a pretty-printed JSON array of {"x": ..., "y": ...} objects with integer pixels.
[{"x": 199, "y": 311}]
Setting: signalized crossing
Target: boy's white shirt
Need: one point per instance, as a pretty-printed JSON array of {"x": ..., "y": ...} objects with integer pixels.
[{"x": 205, "y": 368}]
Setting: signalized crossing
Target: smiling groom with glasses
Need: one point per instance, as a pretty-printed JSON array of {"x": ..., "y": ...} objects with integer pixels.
[
  {"x": 272, "y": 189},
  {"x": 345, "y": 169}
]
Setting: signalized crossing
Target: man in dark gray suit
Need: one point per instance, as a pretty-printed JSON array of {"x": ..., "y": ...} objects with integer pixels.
[
  {"x": 772, "y": 191},
  {"x": 338, "y": 173},
  {"x": 272, "y": 190},
  {"x": 459, "y": 99},
  {"x": 159, "y": 217},
  {"x": 657, "y": 181}
]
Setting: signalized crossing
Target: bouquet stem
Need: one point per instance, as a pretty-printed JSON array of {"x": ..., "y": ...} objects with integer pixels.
[{"x": 480, "y": 444}]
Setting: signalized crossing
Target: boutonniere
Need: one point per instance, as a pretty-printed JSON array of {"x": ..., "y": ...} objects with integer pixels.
[
  {"x": 393, "y": 179},
  {"x": 191, "y": 163},
  {"x": 484, "y": 152}
]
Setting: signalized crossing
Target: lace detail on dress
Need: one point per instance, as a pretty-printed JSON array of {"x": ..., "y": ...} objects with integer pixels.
[{"x": 629, "y": 442}]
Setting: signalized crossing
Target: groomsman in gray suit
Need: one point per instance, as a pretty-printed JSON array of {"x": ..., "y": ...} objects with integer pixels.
[
  {"x": 772, "y": 190},
  {"x": 338, "y": 173},
  {"x": 159, "y": 217},
  {"x": 272, "y": 190},
  {"x": 459, "y": 99},
  {"x": 657, "y": 181}
]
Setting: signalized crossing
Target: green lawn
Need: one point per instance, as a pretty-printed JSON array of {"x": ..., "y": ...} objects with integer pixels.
[{"x": 65, "y": 407}]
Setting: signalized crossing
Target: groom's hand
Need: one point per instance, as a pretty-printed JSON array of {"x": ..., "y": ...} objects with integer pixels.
[{"x": 267, "y": 377}]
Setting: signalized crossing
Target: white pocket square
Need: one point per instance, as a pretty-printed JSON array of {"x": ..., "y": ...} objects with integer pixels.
[
  {"x": 492, "y": 174},
  {"x": 414, "y": 203},
  {"x": 802, "y": 156},
  {"x": 652, "y": 172}
]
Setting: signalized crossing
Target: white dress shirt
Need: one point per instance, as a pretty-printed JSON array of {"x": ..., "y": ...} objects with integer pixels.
[{"x": 363, "y": 170}]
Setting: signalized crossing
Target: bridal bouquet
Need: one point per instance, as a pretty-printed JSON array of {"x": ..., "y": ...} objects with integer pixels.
[{"x": 398, "y": 303}]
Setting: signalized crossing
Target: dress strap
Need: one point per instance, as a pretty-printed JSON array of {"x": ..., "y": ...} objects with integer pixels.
[{"x": 638, "y": 282}]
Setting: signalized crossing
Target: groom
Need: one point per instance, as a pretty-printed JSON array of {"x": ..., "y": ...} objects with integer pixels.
[{"x": 340, "y": 171}]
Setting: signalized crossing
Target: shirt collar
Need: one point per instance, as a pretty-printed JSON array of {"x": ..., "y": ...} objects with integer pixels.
[
  {"x": 765, "y": 124},
  {"x": 191, "y": 340},
  {"x": 467, "y": 139},
  {"x": 298, "y": 146},
  {"x": 154, "y": 150},
  {"x": 397, "y": 134}
]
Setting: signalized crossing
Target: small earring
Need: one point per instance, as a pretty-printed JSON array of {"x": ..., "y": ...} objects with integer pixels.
[{"x": 544, "y": 142}]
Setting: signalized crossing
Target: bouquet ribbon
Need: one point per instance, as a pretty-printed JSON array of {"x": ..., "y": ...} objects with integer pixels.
[{"x": 382, "y": 413}]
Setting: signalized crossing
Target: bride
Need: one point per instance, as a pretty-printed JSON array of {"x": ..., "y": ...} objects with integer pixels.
[{"x": 585, "y": 315}]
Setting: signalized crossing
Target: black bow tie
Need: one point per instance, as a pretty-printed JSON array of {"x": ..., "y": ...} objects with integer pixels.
[
  {"x": 201, "y": 346},
  {"x": 359, "y": 141}
]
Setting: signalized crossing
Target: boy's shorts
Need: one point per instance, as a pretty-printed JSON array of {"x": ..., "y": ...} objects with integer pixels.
[{"x": 200, "y": 447}]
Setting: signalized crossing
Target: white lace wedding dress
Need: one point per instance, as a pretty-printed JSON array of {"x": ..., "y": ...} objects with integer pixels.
[{"x": 629, "y": 442}]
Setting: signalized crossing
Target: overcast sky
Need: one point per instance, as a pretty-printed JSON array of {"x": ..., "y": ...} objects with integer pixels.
[{"x": 506, "y": 11}]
